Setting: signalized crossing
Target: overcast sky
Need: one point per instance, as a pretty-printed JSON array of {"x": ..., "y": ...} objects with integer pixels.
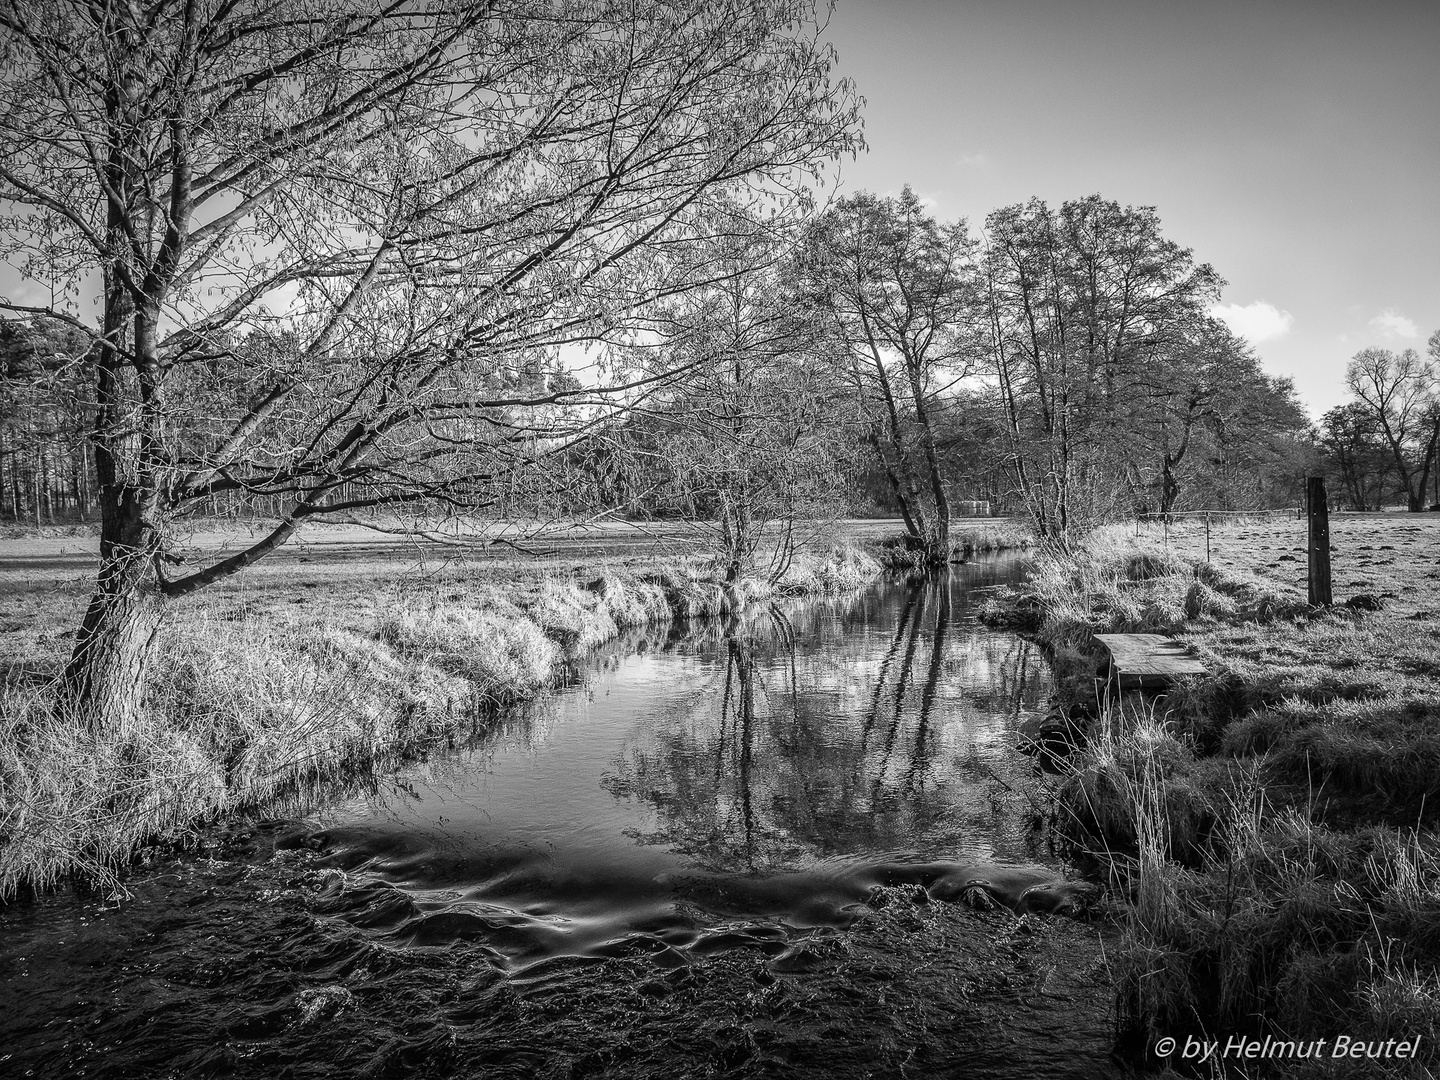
[{"x": 1293, "y": 144}]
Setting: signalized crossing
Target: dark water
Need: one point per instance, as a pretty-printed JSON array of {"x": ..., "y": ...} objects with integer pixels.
[{"x": 757, "y": 849}]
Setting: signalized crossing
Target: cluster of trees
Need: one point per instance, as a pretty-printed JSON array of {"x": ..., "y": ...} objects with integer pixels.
[
  {"x": 1120, "y": 393},
  {"x": 1062, "y": 362},
  {"x": 354, "y": 256},
  {"x": 1383, "y": 446}
]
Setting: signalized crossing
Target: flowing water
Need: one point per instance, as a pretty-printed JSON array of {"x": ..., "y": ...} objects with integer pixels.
[{"x": 791, "y": 845}]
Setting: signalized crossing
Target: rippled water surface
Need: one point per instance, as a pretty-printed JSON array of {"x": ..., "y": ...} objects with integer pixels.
[{"x": 761, "y": 848}]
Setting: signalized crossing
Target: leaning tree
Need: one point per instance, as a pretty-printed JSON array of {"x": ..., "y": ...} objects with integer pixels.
[{"x": 335, "y": 244}]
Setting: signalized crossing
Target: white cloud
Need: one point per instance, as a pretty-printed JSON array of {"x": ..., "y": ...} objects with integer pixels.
[
  {"x": 1255, "y": 322},
  {"x": 1391, "y": 324},
  {"x": 975, "y": 161}
]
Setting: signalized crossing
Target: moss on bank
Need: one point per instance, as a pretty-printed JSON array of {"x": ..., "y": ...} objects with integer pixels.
[
  {"x": 1270, "y": 827},
  {"x": 239, "y": 713}
]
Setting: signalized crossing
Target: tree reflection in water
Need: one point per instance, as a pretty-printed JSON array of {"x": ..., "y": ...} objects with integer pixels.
[{"x": 887, "y": 729}]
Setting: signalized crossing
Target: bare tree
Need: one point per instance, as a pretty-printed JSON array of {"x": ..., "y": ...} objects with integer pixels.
[
  {"x": 1398, "y": 391},
  {"x": 336, "y": 242},
  {"x": 1433, "y": 415},
  {"x": 755, "y": 440},
  {"x": 898, "y": 287},
  {"x": 761, "y": 451},
  {"x": 1350, "y": 437}
]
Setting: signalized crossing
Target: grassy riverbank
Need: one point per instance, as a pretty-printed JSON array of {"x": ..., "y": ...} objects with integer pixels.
[
  {"x": 254, "y": 698},
  {"x": 1270, "y": 827}
]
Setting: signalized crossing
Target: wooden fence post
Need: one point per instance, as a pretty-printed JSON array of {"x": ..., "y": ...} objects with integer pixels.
[{"x": 1318, "y": 513}]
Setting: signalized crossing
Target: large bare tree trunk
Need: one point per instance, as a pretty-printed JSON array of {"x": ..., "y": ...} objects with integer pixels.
[
  {"x": 111, "y": 660},
  {"x": 105, "y": 678},
  {"x": 900, "y": 473},
  {"x": 914, "y": 525}
]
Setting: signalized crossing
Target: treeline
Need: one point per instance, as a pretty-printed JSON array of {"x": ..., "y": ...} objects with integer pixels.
[
  {"x": 45, "y": 473},
  {"x": 47, "y": 415},
  {"x": 48, "y": 410},
  {"x": 1062, "y": 364},
  {"x": 873, "y": 360}
]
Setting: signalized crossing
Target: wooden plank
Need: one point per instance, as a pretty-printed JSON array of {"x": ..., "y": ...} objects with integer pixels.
[{"x": 1148, "y": 660}]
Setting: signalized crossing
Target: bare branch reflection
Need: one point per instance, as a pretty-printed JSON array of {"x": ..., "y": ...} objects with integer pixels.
[{"x": 810, "y": 745}]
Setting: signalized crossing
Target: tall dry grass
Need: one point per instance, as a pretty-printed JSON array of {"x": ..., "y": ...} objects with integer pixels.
[
  {"x": 1284, "y": 926},
  {"x": 1267, "y": 827},
  {"x": 76, "y": 802}
]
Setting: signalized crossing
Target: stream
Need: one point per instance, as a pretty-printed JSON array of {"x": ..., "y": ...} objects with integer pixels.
[{"x": 798, "y": 844}]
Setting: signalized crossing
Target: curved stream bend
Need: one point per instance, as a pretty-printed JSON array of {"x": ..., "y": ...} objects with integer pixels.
[{"x": 611, "y": 881}]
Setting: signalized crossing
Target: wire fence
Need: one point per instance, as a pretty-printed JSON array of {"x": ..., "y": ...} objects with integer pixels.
[
  {"x": 1208, "y": 515},
  {"x": 1293, "y": 511}
]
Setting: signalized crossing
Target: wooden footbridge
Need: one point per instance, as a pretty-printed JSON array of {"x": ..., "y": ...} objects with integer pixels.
[{"x": 1147, "y": 661}]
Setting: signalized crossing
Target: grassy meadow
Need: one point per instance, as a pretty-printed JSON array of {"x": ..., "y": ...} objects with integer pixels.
[
  {"x": 1270, "y": 828},
  {"x": 329, "y": 659}
]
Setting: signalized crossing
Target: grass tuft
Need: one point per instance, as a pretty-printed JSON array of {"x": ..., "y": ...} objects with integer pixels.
[{"x": 77, "y": 801}]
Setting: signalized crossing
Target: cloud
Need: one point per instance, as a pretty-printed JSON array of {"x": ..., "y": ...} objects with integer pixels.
[
  {"x": 1255, "y": 322},
  {"x": 1391, "y": 324},
  {"x": 975, "y": 161}
]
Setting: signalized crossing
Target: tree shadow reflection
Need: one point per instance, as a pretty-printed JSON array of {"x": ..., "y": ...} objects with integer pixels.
[{"x": 866, "y": 744}]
